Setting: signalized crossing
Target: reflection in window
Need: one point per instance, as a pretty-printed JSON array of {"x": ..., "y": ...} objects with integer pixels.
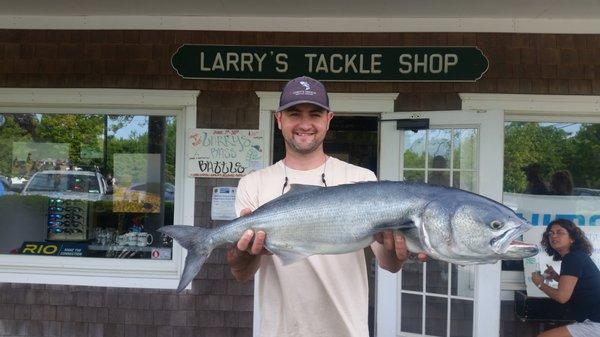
[
  {"x": 445, "y": 157},
  {"x": 552, "y": 170},
  {"x": 86, "y": 184}
]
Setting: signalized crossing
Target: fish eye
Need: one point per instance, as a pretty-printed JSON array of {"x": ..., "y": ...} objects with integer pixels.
[{"x": 496, "y": 224}]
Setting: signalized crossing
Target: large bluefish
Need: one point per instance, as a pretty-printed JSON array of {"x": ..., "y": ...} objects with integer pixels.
[{"x": 446, "y": 223}]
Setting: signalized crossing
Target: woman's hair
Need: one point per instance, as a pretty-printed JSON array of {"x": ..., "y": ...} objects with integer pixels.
[{"x": 580, "y": 242}]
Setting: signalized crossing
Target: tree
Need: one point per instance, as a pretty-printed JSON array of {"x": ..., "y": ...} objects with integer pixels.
[
  {"x": 12, "y": 131},
  {"x": 527, "y": 143},
  {"x": 79, "y": 131},
  {"x": 584, "y": 157}
]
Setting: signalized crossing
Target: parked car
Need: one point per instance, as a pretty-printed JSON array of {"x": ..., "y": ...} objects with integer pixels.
[
  {"x": 586, "y": 191},
  {"x": 83, "y": 185}
]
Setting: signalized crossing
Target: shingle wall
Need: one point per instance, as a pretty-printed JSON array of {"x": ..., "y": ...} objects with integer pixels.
[{"x": 217, "y": 305}]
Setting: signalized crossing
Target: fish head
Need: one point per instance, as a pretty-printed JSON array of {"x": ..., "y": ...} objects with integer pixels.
[{"x": 477, "y": 230}]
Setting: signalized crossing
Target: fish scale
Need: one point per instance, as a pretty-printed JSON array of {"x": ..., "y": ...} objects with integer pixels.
[{"x": 446, "y": 223}]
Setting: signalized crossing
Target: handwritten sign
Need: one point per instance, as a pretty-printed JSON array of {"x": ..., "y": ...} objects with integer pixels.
[
  {"x": 541, "y": 210},
  {"x": 218, "y": 153}
]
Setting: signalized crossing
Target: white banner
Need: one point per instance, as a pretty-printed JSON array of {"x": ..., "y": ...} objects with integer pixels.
[
  {"x": 584, "y": 211},
  {"x": 220, "y": 153}
]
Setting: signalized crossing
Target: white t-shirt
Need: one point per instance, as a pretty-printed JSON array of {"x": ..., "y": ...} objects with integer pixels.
[{"x": 323, "y": 295}]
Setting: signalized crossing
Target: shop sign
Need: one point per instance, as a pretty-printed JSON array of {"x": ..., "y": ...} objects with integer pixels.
[
  {"x": 458, "y": 64},
  {"x": 219, "y": 153},
  {"x": 53, "y": 248}
]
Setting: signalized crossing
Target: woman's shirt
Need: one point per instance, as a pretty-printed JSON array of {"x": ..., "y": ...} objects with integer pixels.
[{"x": 585, "y": 300}]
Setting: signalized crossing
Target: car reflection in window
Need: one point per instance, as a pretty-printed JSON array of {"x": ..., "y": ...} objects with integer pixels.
[{"x": 85, "y": 185}]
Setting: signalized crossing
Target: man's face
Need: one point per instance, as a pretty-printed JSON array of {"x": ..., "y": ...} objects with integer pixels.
[{"x": 304, "y": 127}]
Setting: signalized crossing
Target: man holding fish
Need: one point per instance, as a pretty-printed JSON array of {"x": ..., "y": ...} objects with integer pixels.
[
  {"x": 315, "y": 214},
  {"x": 322, "y": 295}
]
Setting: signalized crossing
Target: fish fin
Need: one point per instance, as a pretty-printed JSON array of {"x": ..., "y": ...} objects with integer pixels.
[
  {"x": 394, "y": 226},
  {"x": 386, "y": 226},
  {"x": 195, "y": 240},
  {"x": 300, "y": 188},
  {"x": 289, "y": 256},
  {"x": 295, "y": 189}
]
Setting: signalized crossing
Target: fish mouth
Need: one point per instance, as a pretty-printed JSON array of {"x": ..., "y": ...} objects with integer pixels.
[
  {"x": 501, "y": 243},
  {"x": 518, "y": 250}
]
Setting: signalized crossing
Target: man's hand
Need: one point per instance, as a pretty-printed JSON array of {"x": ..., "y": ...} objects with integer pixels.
[
  {"x": 392, "y": 251},
  {"x": 244, "y": 257},
  {"x": 250, "y": 243}
]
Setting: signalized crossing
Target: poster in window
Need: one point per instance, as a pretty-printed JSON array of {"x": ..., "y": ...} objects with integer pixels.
[
  {"x": 218, "y": 153},
  {"x": 31, "y": 157},
  {"x": 137, "y": 183}
]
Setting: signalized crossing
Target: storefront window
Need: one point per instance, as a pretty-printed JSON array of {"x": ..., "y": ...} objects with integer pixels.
[
  {"x": 87, "y": 185},
  {"x": 552, "y": 170}
]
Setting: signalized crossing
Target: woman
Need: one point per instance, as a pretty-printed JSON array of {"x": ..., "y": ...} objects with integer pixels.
[{"x": 578, "y": 282}]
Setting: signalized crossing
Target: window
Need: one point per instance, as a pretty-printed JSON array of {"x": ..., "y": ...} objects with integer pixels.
[
  {"x": 546, "y": 137},
  {"x": 552, "y": 171},
  {"x": 86, "y": 186}
]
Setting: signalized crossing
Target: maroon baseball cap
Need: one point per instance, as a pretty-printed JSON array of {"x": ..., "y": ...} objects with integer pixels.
[{"x": 303, "y": 90}]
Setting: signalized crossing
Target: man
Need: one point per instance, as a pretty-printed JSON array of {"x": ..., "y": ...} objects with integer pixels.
[{"x": 323, "y": 295}]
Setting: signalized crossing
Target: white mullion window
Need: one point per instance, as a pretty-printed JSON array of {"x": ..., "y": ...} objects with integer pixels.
[{"x": 65, "y": 179}]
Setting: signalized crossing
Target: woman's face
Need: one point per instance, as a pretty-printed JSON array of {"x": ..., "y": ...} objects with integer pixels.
[{"x": 559, "y": 238}]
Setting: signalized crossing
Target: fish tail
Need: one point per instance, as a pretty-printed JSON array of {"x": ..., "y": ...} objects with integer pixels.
[{"x": 198, "y": 243}]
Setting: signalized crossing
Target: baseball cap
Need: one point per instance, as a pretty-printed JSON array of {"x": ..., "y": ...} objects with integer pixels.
[{"x": 303, "y": 90}]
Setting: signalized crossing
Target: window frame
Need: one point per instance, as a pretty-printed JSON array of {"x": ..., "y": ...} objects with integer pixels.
[
  {"x": 105, "y": 272},
  {"x": 533, "y": 108}
]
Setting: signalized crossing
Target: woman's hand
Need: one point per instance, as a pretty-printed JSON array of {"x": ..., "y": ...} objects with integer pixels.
[
  {"x": 551, "y": 274},
  {"x": 537, "y": 278}
]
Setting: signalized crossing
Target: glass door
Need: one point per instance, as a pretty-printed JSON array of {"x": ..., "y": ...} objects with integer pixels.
[{"x": 462, "y": 149}]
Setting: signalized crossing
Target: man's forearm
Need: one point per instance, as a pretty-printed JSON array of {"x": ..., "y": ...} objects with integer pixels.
[{"x": 242, "y": 264}]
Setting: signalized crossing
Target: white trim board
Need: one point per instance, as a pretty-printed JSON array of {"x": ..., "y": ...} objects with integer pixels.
[
  {"x": 543, "y": 105},
  {"x": 98, "y": 271},
  {"x": 306, "y": 24}
]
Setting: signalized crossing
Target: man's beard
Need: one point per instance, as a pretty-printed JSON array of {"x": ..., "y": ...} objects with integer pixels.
[{"x": 312, "y": 146}]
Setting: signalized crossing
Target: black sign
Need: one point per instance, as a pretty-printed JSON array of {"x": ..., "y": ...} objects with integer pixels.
[{"x": 330, "y": 63}]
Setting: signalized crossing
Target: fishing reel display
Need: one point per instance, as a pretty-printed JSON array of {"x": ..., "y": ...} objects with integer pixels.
[{"x": 67, "y": 220}]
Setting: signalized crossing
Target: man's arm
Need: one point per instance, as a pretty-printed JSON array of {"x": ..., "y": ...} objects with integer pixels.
[
  {"x": 244, "y": 257},
  {"x": 242, "y": 262}
]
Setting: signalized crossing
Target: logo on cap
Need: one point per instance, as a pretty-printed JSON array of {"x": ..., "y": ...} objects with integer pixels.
[{"x": 305, "y": 85}]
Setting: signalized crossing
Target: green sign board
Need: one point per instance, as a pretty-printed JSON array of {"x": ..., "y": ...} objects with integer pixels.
[{"x": 330, "y": 63}]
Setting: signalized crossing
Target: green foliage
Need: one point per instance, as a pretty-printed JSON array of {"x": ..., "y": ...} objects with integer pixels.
[
  {"x": 584, "y": 157},
  {"x": 79, "y": 131},
  {"x": 171, "y": 141},
  {"x": 10, "y": 132},
  {"x": 554, "y": 150},
  {"x": 84, "y": 135}
]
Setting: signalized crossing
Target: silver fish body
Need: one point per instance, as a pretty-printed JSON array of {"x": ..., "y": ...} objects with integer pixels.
[{"x": 446, "y": 223}]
